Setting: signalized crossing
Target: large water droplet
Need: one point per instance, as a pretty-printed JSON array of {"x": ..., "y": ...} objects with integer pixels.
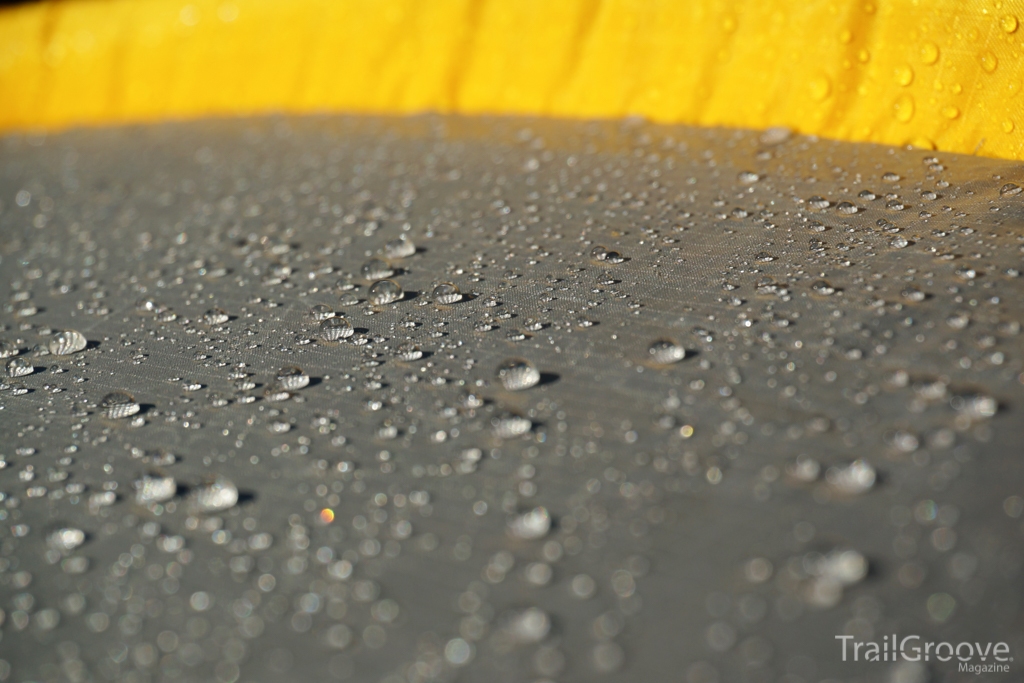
[
  {"x": 155, "y": 489},
  {"x": 532, "y": 525},
  {"x": 67, "y": 342},
  {"x": 446, "y": 294},
  {"x": 19, "y": 367},
  {"x": 402, "y": 247},
  {"x": 292, "y": 378},
  {"x": 376, "y": 269},
  {"x": 517, "y": 374},
  {"x": 384, "y": 292},
  {"x": 217, "y": 496},
  {"x": 666, "y": 351},
  {"x": 119, "y": 404},
  {"x": 335, "y": 328}
]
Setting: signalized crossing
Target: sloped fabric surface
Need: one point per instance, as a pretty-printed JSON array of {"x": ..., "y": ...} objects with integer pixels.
[
  {"x": 943, "y": 75},
  {"x": 837, "y": 303}
]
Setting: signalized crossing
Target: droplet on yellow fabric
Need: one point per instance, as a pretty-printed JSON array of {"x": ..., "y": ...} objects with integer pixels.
[
  {"x": 922, "y": 142},
  {"x": 904, "y": 75},
  {"x": 929, "y": 52},
  {"x": 1009, "y": 23},
  {"x": 950, "y": 112},
  {"x": 989, "y": 61},
  {"x": 845, "y": 36},
  {"x": 820, "y": 88},
  {"x": 863, "y": 56},
  {"x": 903, "y": 108},
  {"x": 1008, "y": 126}
]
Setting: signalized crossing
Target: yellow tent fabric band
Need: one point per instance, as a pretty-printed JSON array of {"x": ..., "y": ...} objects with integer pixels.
[{"x": 945, "y": 74}]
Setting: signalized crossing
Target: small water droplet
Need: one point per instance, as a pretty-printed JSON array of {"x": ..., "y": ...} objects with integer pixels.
[
  {"x": 898, "y": 242},
  {"x": 1010, "y": 190},
  {"x": 1009, "y": 23}
]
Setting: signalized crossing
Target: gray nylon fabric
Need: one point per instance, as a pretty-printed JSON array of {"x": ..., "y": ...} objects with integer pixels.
[{"x": 692, "y": 538}]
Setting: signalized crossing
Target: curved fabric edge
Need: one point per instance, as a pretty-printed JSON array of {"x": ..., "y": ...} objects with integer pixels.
[{"x": 945, "y": 75}]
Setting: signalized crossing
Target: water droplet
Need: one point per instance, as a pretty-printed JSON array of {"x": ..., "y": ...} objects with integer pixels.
[
  {"x": 666, "y": 351},
  {"x": 66, "y": 539},
  {"x": 292, "y": 378},
  {"x": 904, "y": 75},
  {"x": 1009, "y": 23},
  {"x": 402, "y": 247},
  {"x": 804, "y": 469},
  {"x": 599, "y": 253},
  {"x": 19, "y": 367},
  {"x": 913, "y": 294},
  {"x": 854, "y": 479},
  {"x": 748, "y": 177},
  {"x": 891, "y": 177},
  {"x": 823, "y": 287},
  {"x": 510, "y": 425},
  {"x": 67, "y": 342},
  {"x": 320, "y": 312},
  {"x": 446, "y": 294},
  {"x": 817, "y": 202},
  {"x": 7, "y": 349},
  {"x": 214, "y": 316},
  {"x": 335, "y": 328},
  {"x": 898, "y": 242},
  {"x": 155, "y": 489},
  {"x": 384, "y": 292},
  {"x": 847, "y": 208},
  {"x": 976, "y": 406},
  {"x": 517, "y": 374},
  {"x": 903, "y": 108},
  {"x": 1010, "y": 190},
  {"x": 989, "y": 61},
  {"x": 529, "y": 626},
  {"x": 950, "y": 112},
  {"x": 775, "y": 136},
  {"x": 408, "y": 352},
  {"x": 376, "y": 269},
  {"x": 119, "y": 404},
  {"x": 217, "y": 496},
  {"x": 819, "y": 88},
  {"x": 532, "y": 525},
  {"x": 929, "y": 52}
]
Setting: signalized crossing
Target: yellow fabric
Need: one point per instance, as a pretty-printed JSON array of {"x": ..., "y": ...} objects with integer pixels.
[{"x": 935, "y": 73}]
